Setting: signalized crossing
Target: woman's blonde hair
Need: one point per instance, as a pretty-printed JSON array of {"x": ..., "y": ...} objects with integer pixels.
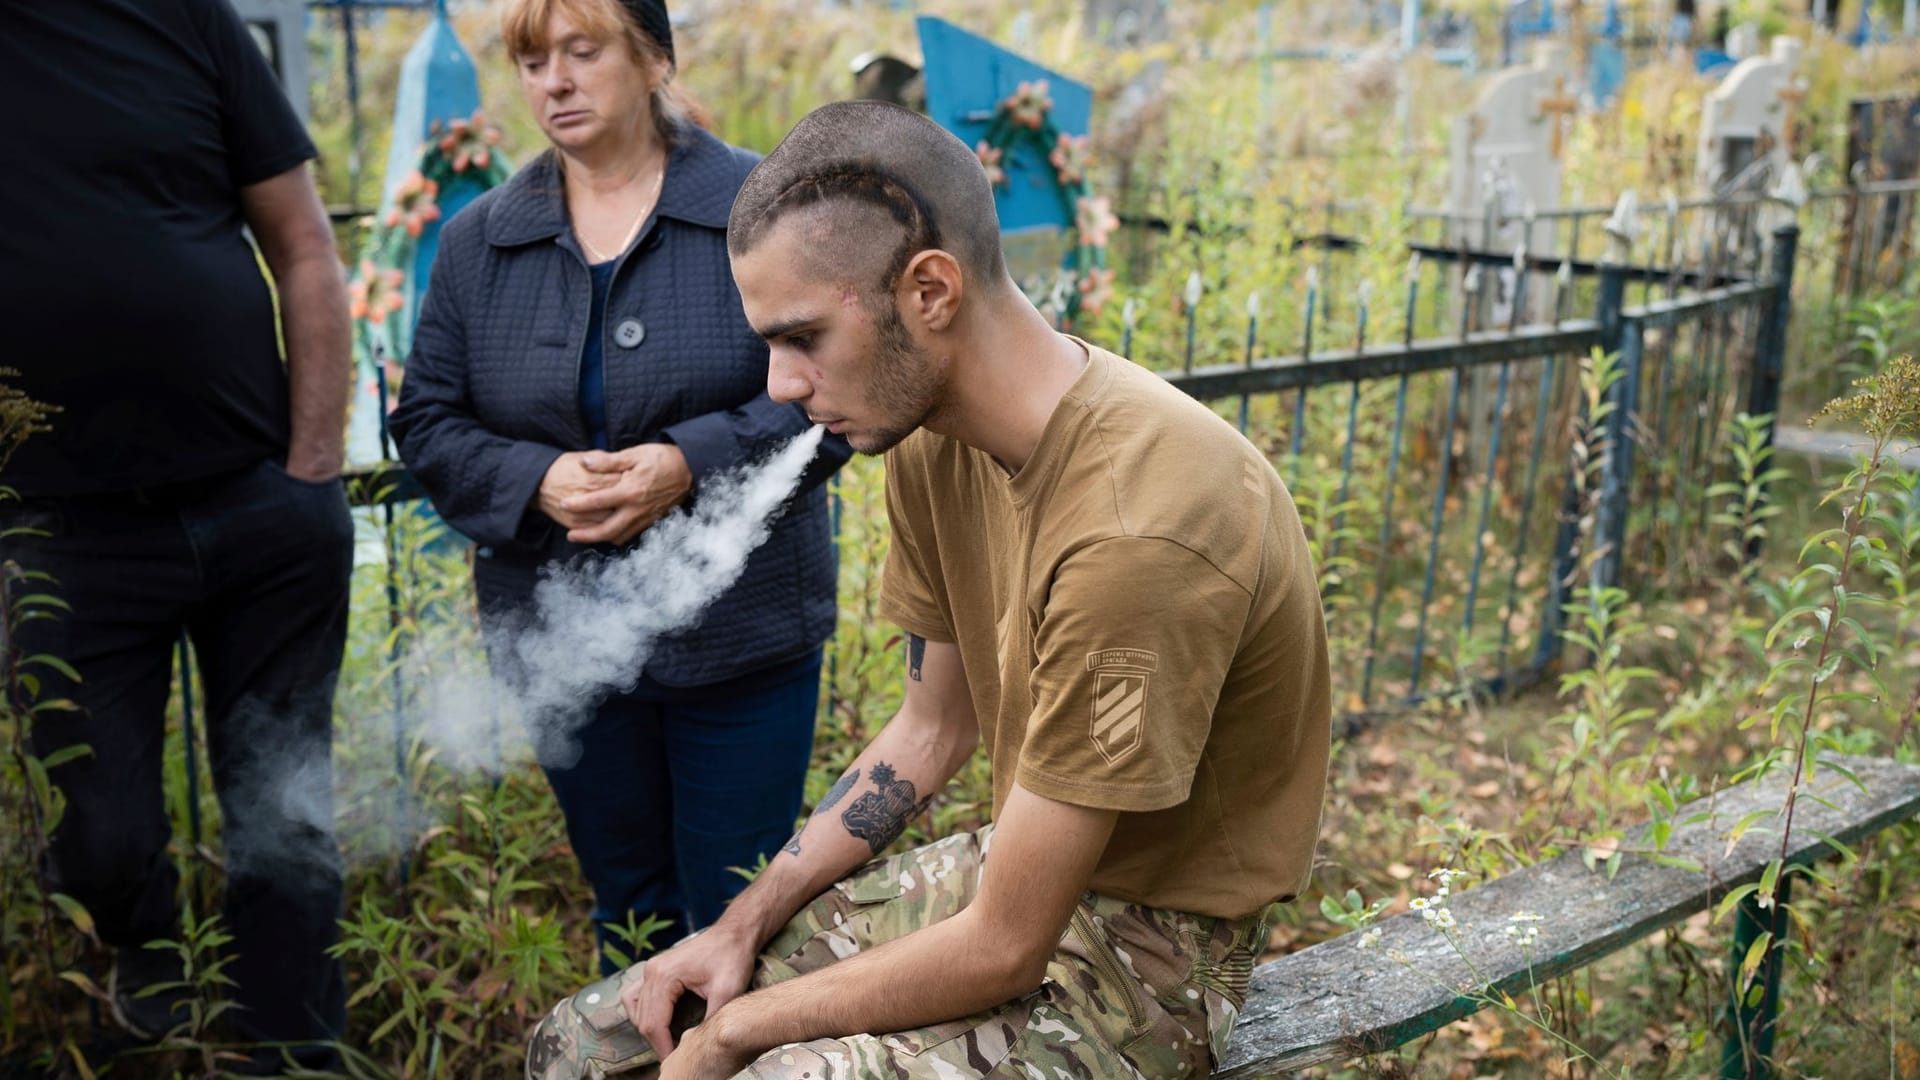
[{"x": 523, "y": 27}]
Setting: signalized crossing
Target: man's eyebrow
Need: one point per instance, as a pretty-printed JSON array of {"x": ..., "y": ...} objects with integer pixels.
[{"x": 784, "y": 327}]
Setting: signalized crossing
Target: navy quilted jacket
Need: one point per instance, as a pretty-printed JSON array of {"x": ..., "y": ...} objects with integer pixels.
[{"x": 491, "y": 396}]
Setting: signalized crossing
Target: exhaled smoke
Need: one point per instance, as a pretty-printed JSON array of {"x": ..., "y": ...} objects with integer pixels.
[
  {"x": 588, "y": 632},
  {"x": 591, "y": 628}
]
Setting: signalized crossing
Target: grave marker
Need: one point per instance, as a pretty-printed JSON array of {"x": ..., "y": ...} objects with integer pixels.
[
  {"x": 438, "y": 85},
  {"x": 1743, "y": 41},
  {"x": 1505, "y": 167},
  {"x": 967, "y": 77},
  {"x": 1505, "y": 156},
  {"x": 1746, "y": 122}
]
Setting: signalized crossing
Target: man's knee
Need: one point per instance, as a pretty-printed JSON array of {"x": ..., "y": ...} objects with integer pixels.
[{"x": 587, "y": 1036}]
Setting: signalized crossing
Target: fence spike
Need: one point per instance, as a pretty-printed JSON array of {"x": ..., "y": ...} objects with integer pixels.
[
  {"x": 1253, "y": 304},
  {"x": 1791, "y": 188},
  {"x": 1194, "y": 287},
  {"x": 1623, "y": 226}
]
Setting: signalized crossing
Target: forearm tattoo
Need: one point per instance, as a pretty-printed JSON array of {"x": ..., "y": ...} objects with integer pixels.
[
  {"x": 881, "y": 815},
  {"x": 834, "y": 794},
  {"x": 916, "y": 654}
]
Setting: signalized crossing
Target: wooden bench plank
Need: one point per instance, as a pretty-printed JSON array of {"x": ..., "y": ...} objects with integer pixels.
[{"x": 1334, "y": 1000}]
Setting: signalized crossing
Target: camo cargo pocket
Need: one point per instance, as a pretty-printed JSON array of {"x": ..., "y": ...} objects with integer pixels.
[{"x": 587, "y": 1035}]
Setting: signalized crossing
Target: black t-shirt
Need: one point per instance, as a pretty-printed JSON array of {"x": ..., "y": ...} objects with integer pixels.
[{"x": 129, "y": 296}]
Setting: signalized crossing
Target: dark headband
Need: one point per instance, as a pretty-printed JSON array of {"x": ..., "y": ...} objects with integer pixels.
[{"x": 652, "y": 17}]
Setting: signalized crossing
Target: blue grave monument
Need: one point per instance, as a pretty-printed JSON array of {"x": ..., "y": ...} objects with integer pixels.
[
  {"x": 1606, "y": 61},
  {"x": 1524, "y": 19},
  {"x": 967, "y": 77},
  {"x": 438, "y": 85},
  {"x": 1029, "y": 124},
  {"x": 436, "y": 108}
]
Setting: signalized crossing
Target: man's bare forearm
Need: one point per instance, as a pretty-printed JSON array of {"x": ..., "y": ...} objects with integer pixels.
[
  {"x": 953, "y": 968},
  {"x": 319, "y": 342},
  {"x": 889, "y": 784},
  {"x": 995, "y": 949}
]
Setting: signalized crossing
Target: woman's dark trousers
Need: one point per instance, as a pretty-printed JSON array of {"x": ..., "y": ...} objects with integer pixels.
[{"x": 674, "y": 789}]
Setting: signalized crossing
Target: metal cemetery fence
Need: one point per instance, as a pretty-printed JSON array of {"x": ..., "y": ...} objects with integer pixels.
[
  {"x": 1875, "y": 235},
  {"x": 1450, "y": 521}
]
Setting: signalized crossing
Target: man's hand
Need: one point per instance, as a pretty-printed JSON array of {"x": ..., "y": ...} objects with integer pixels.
[
  {"x": 641, "y": 483},
  {"x": 717, "y": 965},
  {"x": 565, "y": 479},
  {"x": 705, "y": 1055}
]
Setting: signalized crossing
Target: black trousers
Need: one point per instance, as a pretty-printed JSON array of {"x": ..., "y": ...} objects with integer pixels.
[{"x": 255, "y": 565}]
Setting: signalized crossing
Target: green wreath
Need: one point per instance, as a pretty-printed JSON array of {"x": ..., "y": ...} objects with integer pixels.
[
  {"x": 1027, "y": 114},
  {"x": 465, "y": 150}
]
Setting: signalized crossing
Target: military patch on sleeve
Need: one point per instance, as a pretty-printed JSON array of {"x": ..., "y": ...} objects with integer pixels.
[{"x": 1119, "y": 699}]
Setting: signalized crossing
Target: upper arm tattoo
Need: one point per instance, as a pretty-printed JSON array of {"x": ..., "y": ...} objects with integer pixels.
[
  {"x": 881, "y": 815},
  {"x": 916, "y": 655}
]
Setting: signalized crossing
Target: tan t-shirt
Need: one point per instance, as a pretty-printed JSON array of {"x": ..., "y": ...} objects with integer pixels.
[{"x": 1141, "y": 628}]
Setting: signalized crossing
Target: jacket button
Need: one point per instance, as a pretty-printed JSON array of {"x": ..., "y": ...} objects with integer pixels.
[{"x": 629, "y": 334}]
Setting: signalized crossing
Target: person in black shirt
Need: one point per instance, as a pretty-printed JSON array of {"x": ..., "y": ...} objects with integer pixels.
[{"x": 191, "y": 480}]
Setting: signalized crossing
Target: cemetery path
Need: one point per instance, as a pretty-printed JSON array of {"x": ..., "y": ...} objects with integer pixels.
[{"x": 1844, "y": 446}]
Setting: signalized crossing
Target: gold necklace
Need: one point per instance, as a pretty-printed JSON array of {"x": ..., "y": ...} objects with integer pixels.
[{"x": 594, "y": 254}]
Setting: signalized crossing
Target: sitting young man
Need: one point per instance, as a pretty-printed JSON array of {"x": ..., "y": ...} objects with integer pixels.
[{"x": 1100, "y": 581}]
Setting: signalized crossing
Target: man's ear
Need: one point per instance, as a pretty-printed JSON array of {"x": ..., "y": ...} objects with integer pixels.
[{"x": 931, "y": 289}]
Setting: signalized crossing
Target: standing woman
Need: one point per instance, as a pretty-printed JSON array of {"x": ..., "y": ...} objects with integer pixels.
[{"x": 583, "y": 366}]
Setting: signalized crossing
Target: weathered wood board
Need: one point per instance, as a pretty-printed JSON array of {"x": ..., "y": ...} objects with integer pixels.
[{"x": 1335, "y": 1000}]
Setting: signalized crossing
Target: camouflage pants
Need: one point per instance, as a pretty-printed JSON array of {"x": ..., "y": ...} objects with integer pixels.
[{"x": 1131, "y": 991}]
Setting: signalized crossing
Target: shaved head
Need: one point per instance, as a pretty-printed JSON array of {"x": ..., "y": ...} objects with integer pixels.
[{"x": 871, "y": 185}]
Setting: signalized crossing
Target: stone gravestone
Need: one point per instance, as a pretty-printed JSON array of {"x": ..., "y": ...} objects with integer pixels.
[
  {"x": 1505, "y": 165},
  {"x": 1746, "y": 123},
  {"x": 1743, "y": 41},
  {"x": 280, "y": 28},
  {"x": 1505, "y": 159}
]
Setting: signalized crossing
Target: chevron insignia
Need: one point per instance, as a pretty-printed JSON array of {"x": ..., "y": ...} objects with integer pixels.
[{"x": 1119, "y": 699}]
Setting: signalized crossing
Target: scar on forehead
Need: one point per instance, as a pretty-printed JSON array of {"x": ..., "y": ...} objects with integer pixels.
[{"x": 849, "y": 296}]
